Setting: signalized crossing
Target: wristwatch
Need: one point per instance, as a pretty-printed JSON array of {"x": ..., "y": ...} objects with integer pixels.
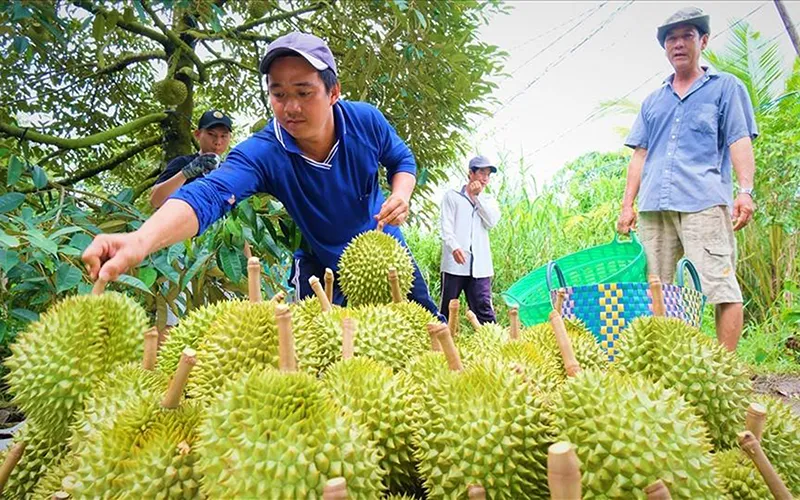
[{"x": 747, "y": 191}]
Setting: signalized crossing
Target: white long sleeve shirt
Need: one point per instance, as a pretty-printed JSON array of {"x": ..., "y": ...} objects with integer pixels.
[{"x": 466, "y": 226}]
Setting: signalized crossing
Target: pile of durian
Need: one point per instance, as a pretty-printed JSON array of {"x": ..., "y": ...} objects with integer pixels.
[{"x": 258, "y": 399}]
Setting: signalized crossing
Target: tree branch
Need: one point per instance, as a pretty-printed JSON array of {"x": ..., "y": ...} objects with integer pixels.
[
  {"x": 127, "y": 61},
  {"x": 132, "y": 26},
  {"x": 250, "y": 37},
  {"x": 239, "y": 32},
  {"x": 225, "y": 60},
  {"x": 83, "y": 142},
  {"x": 176, "y": 41}
]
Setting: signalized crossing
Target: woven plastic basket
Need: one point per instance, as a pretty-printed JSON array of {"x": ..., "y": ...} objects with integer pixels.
[
  {"x": 608, "y": 308},
  {"x": 617, "y": 261}
]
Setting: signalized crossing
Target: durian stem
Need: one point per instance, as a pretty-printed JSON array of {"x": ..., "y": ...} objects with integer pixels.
[
  {"x": 432, "y": 332},
  {"x": 513, "y": 319},
  {"x": 10, "y": 462},
  {"x": 394, "y": 285},
  {"x": 254, "y": 279},
  {"x": 173, "y": 396},
  {"x": 752, "y": 447},
  {"x": 563, "y": 472},
  {"x": 348, "y": 337},
  {"x": 656, "y": 290},
  {"x": 248, "y": 252},
  {"x": 283, "y": 318},
  {"x": 150, "y": 349},
  {"x": 442, "y": 333},
  {"x": 571, "y": 365},
  {"x": 324, "y": 303},
  {"x": 329, "y": 284},
  {"x": 452, "y": 319},
  {"x": 335, "y": 489},
  {"x": 473, "y": 319},
  {"x": 657, "y": 491},
  {"x": 278, "y": 298},
  {"x": 755, "y": 417},
  {"x": 60, "y": 495},
  {"x": 561, "y": 296},
  {"x": 476, "y": 492},
  {"x": 99, "y": 287}
]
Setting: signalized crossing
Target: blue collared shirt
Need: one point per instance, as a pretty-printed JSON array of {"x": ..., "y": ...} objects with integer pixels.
[
  {"x": 331, "y": 201},
  {"x": 688, "y": 165}
]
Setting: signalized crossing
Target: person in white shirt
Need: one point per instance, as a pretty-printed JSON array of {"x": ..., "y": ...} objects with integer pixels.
[{"x": 467, "y": 216}]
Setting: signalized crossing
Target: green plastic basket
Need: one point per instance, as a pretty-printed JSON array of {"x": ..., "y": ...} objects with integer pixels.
[{"x": 615, "y": 262}]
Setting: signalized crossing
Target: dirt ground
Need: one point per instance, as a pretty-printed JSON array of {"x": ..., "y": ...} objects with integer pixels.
[{"x": 785, "y": 387}]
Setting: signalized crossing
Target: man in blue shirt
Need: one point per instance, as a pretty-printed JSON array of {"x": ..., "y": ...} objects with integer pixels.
[
  {"x": 689, "y": 136},
  {"x": 319, "y": 156}
]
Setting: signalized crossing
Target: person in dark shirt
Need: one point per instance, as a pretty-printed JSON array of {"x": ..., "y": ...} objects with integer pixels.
[{"x": 214, "y": 135}]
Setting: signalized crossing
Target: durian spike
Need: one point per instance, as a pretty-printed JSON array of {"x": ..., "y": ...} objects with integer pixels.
[
  {"x": 752, "y": 447},
  {"x": 755, "y": 417},
  {"x": 99, "y": 287},
  {"x": 476, "y": 492},
  {"x": 348, "y": 334},
  {"x": 283, "y": 319},
  {"x": 433, "y": 329},
  {"x": 656, "y": 290},
  {"x": 247, "y": 251},
  {"x": 563, "y": 471},
  {"x": 175, "y": 390},
  {"x": 442, "y": 333},
  {"x": 561, "y": 296},
  {"x": 60, "y": 495},
  {"x": 473, "y": 319},
  {"x": 513, "y": 318},
  {"x": 452, "y": 318},
  {"x": 657, "y": 491},
  {"x": 394, "y": 285},
  {"x": 329, "y": 284},
  {"x": 278, "y": 298},
  {"x": 335, "y": 489},
  {"x": 571, "y": 365},
  {"x": 10, "y": 462},
  {"x": 254, "y": 279},
  {"x": 150, "y": 349},
  {"x": 324, "y": 303}
]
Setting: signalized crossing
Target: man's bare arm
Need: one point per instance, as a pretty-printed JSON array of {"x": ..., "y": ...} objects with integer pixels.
[{"x": 163, "y": 190}]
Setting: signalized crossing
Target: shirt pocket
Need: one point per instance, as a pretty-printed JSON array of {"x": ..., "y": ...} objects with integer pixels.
[{"x": 705, "y": 119}]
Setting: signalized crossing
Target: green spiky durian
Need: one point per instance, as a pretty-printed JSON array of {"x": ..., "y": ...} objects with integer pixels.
[
  {"x": 318, "y": 337},
  {"x": 587, "y": 351},
  {"x": 364, "y": 267},
  {"x": 147, "y": 452},
  {"x": 278, "y": 435},
  {"x": 44, "y": 449},
  {"x": 781, "y": 441},
  {"x": 170, "y": 92},
  {"x": 415, "y": 315},
  {"x": 191, "y": 330},
  {"x": 259, "y": 125},
  {"x": 257, "y": 9},
  {"x": 484, "y": 425},
  {"x": 52, "y": 480},
  {"x": 738, "y": 477},
  {"x": 241, "y": 337},
  {"x": 679, "y": 356},
  {"x": 379, "y": 400},
  {"x": 630, "y": 432},
  {"x": 484, "y": 341}
]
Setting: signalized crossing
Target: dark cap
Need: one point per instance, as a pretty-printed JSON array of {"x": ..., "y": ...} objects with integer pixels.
[
  {"x": 311, "y": 48},
  {"x": 214, "y": 117},
  {"x": 481, "y": 162},
  {"x": 688, "y": 15}
]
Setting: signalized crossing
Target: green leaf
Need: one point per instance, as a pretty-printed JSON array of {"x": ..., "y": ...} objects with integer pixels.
[
  {"x": 24, "y": 314},
  {"x": 68, "y": 250},
  {"x": 140, "y": 11},
  {"x": 215, "y": 24},
  {"x": 761, "y": 355},
  {"x": 148, "y": 275},
  {"x": 8, "y": 259},
  {"x": 67, "y": 277},
  {"x": 21, "y": 44},
  {"x": 175, "y": 252},
  {"x": 40, "y": 241},
  {"x": 65, "y": 230},
  {"x": 127, "y": 279},
  {"x": 99, "y": 27},
  {"x": 230, "y": 264},
  {"x": 15, "y": 168},
  {"x": 20, "y": 12},
  {"x": 39, "y": 177},
  {"x": 421, "y": 19},
  {"x": 10, "y": 201},
  {"x": 80, "y": 241},
  {"x": 166, "y": 270},
  {"x": 196, "y": 266},
  {"x": 8, "y": 240}
]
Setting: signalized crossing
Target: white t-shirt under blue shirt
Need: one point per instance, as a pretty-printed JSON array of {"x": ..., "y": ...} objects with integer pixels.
[{"x": 331, "y": 201}]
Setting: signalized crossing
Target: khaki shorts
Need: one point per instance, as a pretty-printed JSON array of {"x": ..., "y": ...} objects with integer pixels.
[{"x": 705, "y": 238}]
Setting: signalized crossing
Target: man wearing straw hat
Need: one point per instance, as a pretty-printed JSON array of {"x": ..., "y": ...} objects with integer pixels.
[
  {"x": 688, "y": 138},
  {"x": 319, "y": 156}
]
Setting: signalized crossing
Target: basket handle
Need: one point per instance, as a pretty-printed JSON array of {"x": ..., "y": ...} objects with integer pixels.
[
  {"x": 552, "y": 267},
  {"x": 683, "y": 265},
  {"x": 631, "y": 233}
]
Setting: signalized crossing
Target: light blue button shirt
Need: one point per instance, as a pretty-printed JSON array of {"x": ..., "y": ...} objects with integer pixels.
[{"x": 688, "y": 165}]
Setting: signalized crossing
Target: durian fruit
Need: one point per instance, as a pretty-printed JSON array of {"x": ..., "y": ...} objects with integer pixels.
[
  {"x": 414, "y": 315},
  {"x": 277, "y": 434},
  {"x": 44, "y": 449},
  {"x": 780, "y": 441},
  {"x": 365, "y": 263},
  {"x": 630, "y": 432},
  {"x": 483, "y": 426},
  {"x": 259, "y": 125},
  {"x": 170, "y": 92},
  {"x": 52, "y": 481},
  {"x": 588, "y": 352},
  {"x": 738, "y": 477},
  {"x": 679, "y": 356},
  {"x": 484, "y": 340},
  {"x": 256, "y": 9}
]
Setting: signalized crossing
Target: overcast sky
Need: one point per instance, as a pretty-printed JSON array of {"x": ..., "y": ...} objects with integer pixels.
[{"x": 554, "y": 84}]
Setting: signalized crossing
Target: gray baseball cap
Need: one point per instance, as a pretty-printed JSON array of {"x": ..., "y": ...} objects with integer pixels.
[
  {"x": 311, "y": 48},
  {"x": 688, "y": 15},
  {"x": 481, "y": 162}
]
